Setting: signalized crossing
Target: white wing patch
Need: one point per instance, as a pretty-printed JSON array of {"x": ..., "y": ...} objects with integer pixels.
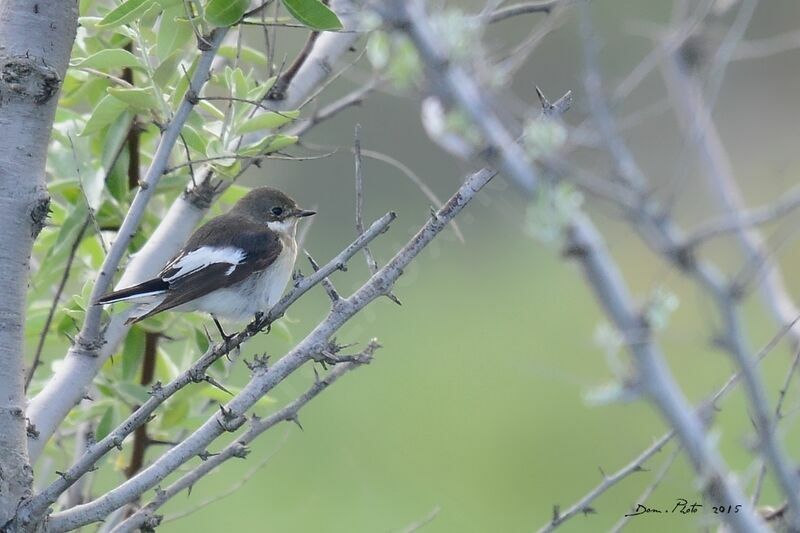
[{"x": 203, "y": 257}]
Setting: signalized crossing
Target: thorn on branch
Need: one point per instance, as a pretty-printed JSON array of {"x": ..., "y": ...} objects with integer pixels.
[
  {"x": 556, "y": 514},
  {"x": 156, "y": 388},
  {"x": 393, "y": 298},
  {"x": 330, "y": 290},
  {"x": 205, "y": 455},
  {"x": 559, "y": 107},
  {"x": 296, "y": 419},
  {"x": 213, "y": 382},
  {"x": 230, "y": 421}
]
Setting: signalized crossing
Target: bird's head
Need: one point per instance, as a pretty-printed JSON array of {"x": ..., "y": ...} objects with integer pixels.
[{"x": 271, "y": 206}]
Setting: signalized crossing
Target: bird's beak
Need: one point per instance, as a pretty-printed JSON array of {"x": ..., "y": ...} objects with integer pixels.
[{"x": 300, "y": 213}]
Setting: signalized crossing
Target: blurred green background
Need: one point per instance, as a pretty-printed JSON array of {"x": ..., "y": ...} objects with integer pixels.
[{"x": 477, "y": 404}]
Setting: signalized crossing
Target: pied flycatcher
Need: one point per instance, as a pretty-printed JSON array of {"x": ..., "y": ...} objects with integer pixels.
[{"x": 234, "y": 266}]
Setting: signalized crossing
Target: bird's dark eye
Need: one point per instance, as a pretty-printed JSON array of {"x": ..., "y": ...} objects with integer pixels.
[{"x": 277, "y": 211}]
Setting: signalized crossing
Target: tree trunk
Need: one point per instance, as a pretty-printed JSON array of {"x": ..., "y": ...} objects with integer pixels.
[{"x": 35, "y": 43}]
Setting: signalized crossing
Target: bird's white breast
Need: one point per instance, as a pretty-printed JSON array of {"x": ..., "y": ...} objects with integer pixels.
[{"x": 258, "y": 293}]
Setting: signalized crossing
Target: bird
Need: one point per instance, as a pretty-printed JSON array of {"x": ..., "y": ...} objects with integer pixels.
[{"x": 234, "y": 267}]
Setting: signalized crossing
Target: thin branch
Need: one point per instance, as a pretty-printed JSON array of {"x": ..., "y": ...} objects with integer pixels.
[
  {"x": 788, "y": 202},
  {"x": 769, "y": 46},
  {"x": 455, "y": 85},
  {"x": 695, "y": 115},
  {"x": 353, "y": 98},
  {"x": 415, "y": 178},
  {"x": 37, "y": 355},
  {"x": 238, "y": 448},
  {"x": 230, "y": 490},
  {"x": 278, "y": 89},
  {"x": 657, "y": 479},
  {"x": 508, "y": 12},
  {"x": 654, "y": 377},
  {"x": 424, "y": 521},
  {"x": 584, "y": 504},
  {"x": 586, "y": 245},
  {"x": 762, "y": 473},
  {"x": 372, "y": 265}
]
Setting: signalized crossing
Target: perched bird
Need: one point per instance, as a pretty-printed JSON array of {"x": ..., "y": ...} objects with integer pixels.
[{"x": 234, "y": 266}]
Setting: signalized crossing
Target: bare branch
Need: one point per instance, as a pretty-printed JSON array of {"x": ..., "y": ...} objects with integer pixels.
[
  {"x": 454, "y": 85},
  {"x": 657, "y": 479},
  {"x": 37, "y": 354},
  {"x": 584, "y": 504},
  {"x": 523, "y": 9},
  {"x": 742, "y": 220},
  {"x": 424, "y": 521},
  {"x": 586, "y": 245},
  {"x": 238, "y": 447}
]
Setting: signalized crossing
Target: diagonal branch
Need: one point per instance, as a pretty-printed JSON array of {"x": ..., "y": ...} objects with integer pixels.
[{"x": 238, "y": 448}]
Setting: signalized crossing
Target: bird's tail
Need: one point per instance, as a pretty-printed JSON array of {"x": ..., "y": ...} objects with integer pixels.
[{"x": 153, "y": 287}]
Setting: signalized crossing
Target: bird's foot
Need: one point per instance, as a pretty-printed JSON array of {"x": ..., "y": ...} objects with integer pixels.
[{"x": 255, "y": 326}]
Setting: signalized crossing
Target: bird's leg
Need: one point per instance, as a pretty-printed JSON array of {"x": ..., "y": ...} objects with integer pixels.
[{"x": 225, "y": 337}]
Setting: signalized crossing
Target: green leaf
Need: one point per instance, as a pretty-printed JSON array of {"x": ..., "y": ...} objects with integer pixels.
[
  {"x": 175, "y": 413},
  {"x": 246, "y": 54},
  {"x": 168, "y": 69},
  {"x": 211, "y": 109},
  {"x": 68, "y": 232},
  {"x": 225, "y": 12},
  {"x": 106, "y": 424},
  {"x": 132, "y": 351},
  {"x": 194, "y": 140},
  {"x": 111, "y": 57},
  {"x": 125, "y": 12},
  {"x": 173, "y": 31},
  {"x": 106, "y": 112},
  {"x": 267, "y": 145},
  {"x": 137, "y": 98},
  {"x": 132, "y": 393},
  {"x": 267, "y": 121},
  {"x": 314, "y": 14},
  {"x": 201, "y": 340}
]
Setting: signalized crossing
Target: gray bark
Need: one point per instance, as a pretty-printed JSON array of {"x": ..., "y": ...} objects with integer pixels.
[{"x": 35, "y": 44}]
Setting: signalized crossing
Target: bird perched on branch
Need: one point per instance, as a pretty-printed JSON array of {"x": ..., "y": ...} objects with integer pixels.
[{"x": 234, "y": 266}]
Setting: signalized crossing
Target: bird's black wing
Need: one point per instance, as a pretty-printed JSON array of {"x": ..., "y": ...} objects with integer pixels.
[{"x": 221, "y": 253}]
